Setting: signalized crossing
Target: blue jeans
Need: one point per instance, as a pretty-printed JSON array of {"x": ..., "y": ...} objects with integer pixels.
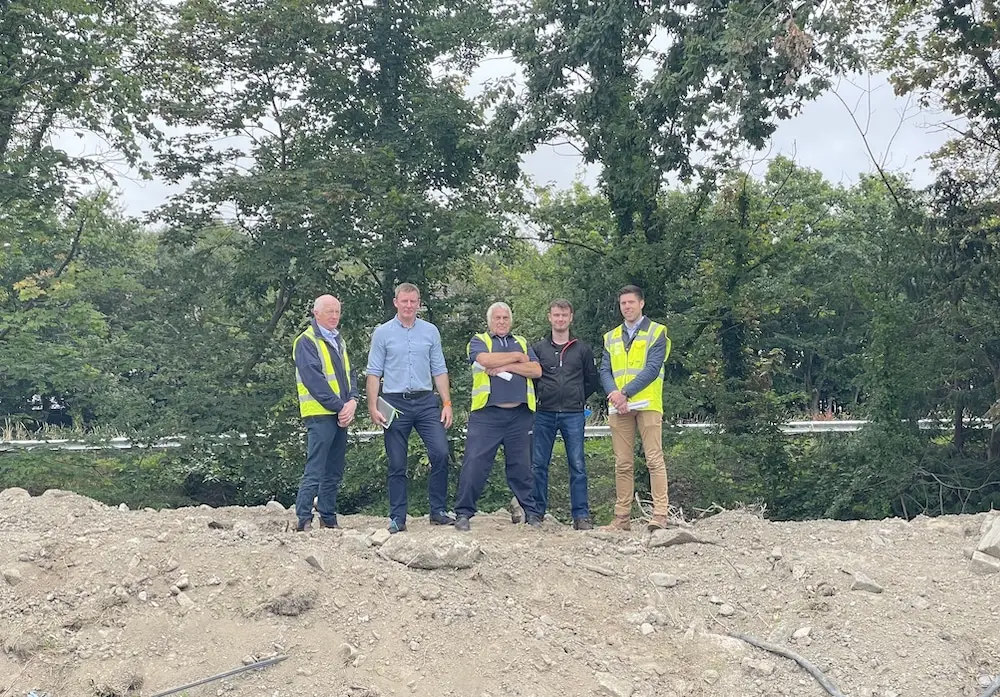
[
  {"x": 326, "y": 448},
  {"x": 570, "y": 424},
  {"x": 423, "y": 415}
]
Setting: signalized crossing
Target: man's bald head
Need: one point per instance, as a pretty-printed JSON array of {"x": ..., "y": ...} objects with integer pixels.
[{"x": 326, "y": 310}]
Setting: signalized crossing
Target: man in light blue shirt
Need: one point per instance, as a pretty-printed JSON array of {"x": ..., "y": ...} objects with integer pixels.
[{"x": 407, "y": 358}]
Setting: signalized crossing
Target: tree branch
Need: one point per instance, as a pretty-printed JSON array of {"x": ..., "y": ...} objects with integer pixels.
[
  {"x": 74, "y": 248},
  {"x": 281, "y": 303},
  {"x": 786, "y": 653},
  {"x": 571, "y": 243}
]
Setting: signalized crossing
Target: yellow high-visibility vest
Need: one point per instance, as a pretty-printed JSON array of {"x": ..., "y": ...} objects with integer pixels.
[
  {"x": 626, "y": 365},
  {"x": 308, "y": 405},
  {"x": 481, "y": 381}
]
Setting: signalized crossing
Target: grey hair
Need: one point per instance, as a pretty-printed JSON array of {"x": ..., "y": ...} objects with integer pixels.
[
  {"x": 498, "y": 305},
  {"x": 321, "y": 301}
]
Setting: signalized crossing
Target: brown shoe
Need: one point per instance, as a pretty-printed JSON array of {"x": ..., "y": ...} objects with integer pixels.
[
  {"x": 658, "y": 522},
  {"x": 621, "y": 523}
]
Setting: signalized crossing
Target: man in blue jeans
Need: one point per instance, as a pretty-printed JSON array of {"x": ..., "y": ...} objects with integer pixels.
[
  {"x": 569, "y": 376},
  {"x": 406, "y": 356},
  {"x": 328, "y": 398}
]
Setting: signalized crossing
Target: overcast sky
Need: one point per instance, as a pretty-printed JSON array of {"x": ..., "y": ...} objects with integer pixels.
[{"x": 822, "y": 137}]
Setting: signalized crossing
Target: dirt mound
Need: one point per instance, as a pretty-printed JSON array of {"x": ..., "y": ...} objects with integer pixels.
[{"x": 102, "y": 601}]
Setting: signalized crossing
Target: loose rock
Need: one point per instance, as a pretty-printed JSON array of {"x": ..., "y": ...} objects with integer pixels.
[
  {"x": 762, "y": 667},
  {"x": 12, "y": 576},
  {"x": 990, "y": 542},
  {"x": 616, "y": 687},
  {"x": 661, "y": 580},
  {"x": 435, "y": 553},
  {"x": 984, "y": 563},
  {"x": 865, "y": 583},
  {"x": 430, "y": 592},
  {"x": 347, "y": 653}
]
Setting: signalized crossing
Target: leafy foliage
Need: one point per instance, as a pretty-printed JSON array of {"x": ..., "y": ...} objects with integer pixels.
[{"x": 331, "y": 146}]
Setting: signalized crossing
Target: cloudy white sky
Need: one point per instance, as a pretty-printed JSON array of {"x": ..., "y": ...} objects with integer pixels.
[{"x": 824, "y": 137}]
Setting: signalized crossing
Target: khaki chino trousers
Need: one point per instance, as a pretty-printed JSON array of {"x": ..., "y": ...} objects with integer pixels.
[{"x": 650, "y": 427}]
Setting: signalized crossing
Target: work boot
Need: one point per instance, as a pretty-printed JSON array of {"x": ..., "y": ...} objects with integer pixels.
[
  {"x": 658, "y": 522},
  {"x": 441, "y": 518},
  {"x": 582, "y": 524},
  {"x": 621, "y": 523}
]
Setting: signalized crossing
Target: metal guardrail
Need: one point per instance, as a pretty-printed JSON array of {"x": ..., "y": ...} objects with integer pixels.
[{"x": 789, "y": 428}]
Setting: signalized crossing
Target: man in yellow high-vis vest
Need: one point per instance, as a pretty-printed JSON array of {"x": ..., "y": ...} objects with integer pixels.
[
  {"x": 503, "y": 413},
  {"x": 632, "y": 375},
  {"x": 328, "y": 398}
]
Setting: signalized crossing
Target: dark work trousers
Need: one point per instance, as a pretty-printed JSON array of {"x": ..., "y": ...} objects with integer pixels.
[
  {"x": 488, "y": 429},
  {"x": 326, "y": 448},
  {"x": 422, "y": 414}
]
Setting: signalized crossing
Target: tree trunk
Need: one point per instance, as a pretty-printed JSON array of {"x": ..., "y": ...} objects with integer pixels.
[{"x": 958, "y": 427}]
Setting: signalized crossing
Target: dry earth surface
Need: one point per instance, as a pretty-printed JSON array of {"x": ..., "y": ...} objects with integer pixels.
[{"x": 96, "y": 600}]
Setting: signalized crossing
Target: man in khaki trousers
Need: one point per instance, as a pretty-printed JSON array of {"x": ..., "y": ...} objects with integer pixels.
[{"x": 632, "y": 375}]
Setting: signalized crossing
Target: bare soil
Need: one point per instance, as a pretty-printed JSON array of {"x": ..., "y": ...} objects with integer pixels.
[{"x": 93, "y": 602}]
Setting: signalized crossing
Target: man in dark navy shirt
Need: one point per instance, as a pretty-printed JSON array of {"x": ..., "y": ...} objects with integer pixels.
[{"x": 503, "y": 413}]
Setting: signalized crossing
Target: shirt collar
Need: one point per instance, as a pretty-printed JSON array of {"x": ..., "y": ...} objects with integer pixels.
[
  {"x": 638, "y": 323},
  {"x": 328, "y": 334}
]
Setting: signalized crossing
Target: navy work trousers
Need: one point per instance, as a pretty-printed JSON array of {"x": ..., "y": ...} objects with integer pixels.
[{"x": 488, "y": 429}]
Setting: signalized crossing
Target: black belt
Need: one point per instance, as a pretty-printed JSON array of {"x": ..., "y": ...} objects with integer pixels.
[{"x": 417, "y": 394}]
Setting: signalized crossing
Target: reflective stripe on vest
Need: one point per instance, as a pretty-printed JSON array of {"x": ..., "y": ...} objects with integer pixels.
[
  {"x": 481, "y": 381},
  {"x": 627, "y": 364},
  {"x": 309, "y": 405}
]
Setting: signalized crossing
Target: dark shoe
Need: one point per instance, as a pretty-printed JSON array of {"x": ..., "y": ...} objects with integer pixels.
[
  {"x": 304, "y": 526},
  {"x": 396, "y": 526},
  {"x": 582, "y": 524},
  {"x": 516, "y": 512},
  {"x": 462, "y": 523},
  {"x": 441, "y": 518},
  {"x": 535, "y": 521},
  {"x": 332, "y": 525}
]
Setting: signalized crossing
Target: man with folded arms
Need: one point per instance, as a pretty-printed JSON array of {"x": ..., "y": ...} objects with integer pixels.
[
  {"x": 503, "y": 413},
  {"x": 406, "y": 356}
]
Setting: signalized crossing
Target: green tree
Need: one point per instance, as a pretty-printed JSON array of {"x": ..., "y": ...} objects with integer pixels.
[
  {"x": 640, "y": 89},
  {"x": 75, "y": 68}
]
